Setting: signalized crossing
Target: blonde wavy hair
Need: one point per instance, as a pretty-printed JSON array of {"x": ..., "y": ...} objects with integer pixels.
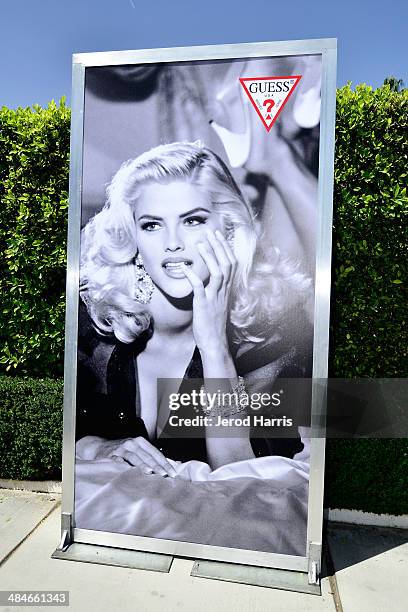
[{"x": 262, "y": 291}]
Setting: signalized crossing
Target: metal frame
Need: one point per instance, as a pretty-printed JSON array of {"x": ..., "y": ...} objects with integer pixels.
[{"x": 327, "y": 48}]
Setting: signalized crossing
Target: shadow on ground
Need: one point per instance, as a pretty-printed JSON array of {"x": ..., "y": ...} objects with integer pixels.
[{"x": 348, "y": 545}]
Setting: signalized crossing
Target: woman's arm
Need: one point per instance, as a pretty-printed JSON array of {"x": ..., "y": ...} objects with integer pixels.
[
  {"x": 210, "y": 311},
  {"x": 292, "y": 183},
  {"x": 220, "y": 375},
  {"x": 297, "y": 188}
]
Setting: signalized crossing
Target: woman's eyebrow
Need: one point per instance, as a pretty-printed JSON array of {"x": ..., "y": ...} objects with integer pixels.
[
  {"x": 150, "y": 217},
  {"x": 195, "y": 210},
  {"x": 186, "y": 214}
]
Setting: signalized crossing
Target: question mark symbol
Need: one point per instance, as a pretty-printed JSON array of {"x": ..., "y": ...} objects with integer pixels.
[{"x": 270, "y": 104}]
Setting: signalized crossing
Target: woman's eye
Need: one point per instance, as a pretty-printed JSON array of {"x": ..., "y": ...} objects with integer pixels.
[
  {"x": 196, "y": 220},
  {"x": 150, "y": 226}
]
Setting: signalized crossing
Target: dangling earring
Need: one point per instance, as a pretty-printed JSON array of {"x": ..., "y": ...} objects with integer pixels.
[{"x": 144, "y": 284}]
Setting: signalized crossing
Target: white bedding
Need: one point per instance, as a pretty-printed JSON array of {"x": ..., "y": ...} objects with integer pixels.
[{"x": 258, "y": 504}]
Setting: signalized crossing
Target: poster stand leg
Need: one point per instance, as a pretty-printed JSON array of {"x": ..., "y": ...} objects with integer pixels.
[
  {"x": 256, "y": 576},
  {"x": 121, "y": 557},
  {"x": 69, "y": 550}
]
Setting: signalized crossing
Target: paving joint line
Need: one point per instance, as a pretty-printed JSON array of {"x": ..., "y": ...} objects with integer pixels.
[
  {"x": 12, "y": 551},
  {"x": 334, "y": 588}
]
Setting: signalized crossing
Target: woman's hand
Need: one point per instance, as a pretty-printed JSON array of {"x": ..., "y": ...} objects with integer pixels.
[
  {"x": 211, "y": 303},
  {"x": 138, "y": 452},
  {"x": 210, "y": 312}
]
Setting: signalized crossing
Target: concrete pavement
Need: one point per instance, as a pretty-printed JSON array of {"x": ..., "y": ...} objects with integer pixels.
[{"x": 370, "y": 566}]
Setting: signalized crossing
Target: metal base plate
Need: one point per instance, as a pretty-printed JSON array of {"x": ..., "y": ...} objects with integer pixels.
[
  {"x": 106, "y": 555},
  {"x": 257, "y": 576}
]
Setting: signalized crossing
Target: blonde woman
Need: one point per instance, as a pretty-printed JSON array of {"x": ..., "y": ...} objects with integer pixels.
[{"x": 172, "y": 273}]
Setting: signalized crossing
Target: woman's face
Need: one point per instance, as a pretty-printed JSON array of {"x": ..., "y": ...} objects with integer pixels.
[{"x": 171, "y": 219}]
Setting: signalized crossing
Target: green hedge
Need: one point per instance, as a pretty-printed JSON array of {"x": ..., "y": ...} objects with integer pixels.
[
  {"x": 34, "y": 152},
  {"x": 368, "y": 323},
  {"x": 369, "y": 334},
  {"x": 368, "y": 475},
  {"x": 30, "y": 428}
]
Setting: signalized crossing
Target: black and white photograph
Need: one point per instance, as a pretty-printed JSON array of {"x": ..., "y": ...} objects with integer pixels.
[{"x": 196, "y": 300}]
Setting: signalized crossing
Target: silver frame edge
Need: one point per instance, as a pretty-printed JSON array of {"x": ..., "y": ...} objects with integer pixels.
[
  {"x": 191, "y": 549},
  {"x": 205, "y": 52},
  {"x": 72, "y": 288},
  {"x": 322, "y": 294}
]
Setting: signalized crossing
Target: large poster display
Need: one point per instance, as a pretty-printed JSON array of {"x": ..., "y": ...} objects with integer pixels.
[{"x": 199, "y": 219}]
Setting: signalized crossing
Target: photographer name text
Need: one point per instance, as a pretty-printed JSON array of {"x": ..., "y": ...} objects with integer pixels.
[{"x": 249, "y": 420}]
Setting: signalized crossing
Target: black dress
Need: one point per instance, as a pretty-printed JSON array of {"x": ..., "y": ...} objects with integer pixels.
[{"x": 112, "y": 412}]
